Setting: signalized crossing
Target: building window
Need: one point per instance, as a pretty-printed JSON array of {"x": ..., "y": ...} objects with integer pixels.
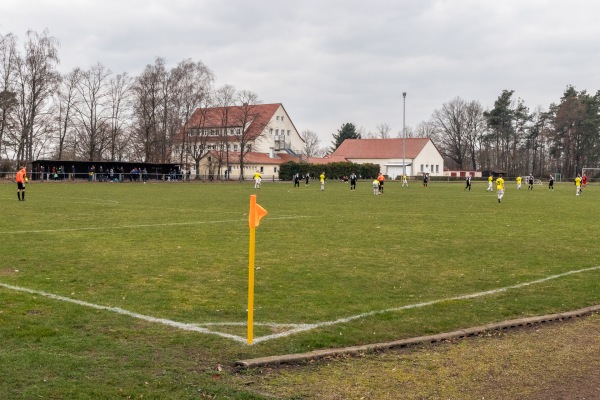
[
  {"x": 275, "y": 169},
  {"x": 262, "y": 169},
  {"x": 235, "y": 147},
  {"x": 271, "y": 131},
  {"x": 437, "y": 168},
  {"x": 422, "y": 168},
  {"x": 277, "y": 131}
]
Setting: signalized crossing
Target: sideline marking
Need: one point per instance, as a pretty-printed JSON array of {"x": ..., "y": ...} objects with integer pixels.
[
  {"x": 297, "y": 328},
  {"x": 106, "y": 228},
  {"x": 118, "y": 310}
]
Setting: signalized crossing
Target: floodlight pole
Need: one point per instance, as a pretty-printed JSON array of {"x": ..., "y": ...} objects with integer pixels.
[{"x": 404, "y": 134}]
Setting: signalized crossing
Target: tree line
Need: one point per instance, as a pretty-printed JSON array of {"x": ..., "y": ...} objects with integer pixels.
[
  {"x": 94, "y": 114},
  {"x": 515, "y": 140}
]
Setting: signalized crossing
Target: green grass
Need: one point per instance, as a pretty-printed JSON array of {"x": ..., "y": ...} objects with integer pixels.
[{"x": 180, "y": 252}]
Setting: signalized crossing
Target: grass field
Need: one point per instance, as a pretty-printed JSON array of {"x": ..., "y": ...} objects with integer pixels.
[{"x": 334, "y": 268}]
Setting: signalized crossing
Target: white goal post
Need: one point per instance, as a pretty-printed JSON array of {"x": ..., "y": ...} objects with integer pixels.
[{"x": 593, "y": 174}]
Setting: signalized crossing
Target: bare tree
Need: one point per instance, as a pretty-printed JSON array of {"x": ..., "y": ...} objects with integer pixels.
[
  {"x": 248, "y": 118},
  {"x": 224, "y": 98},
  {"x": 64, "y": 104},
  {"x": 198, "y": 136},
  {"x": 312, "y": 144},
  {"x": 36, "y": 79},
  {"x": 91, "y": 112},
  {"x": 146, "y": 107},
  {"x": 119, "y": 104},
  {"x": 383, "y": 131},
  {"x": 192, "y": 90},
  {"x": 451, "y": 121},
  {"x": 8, "y": 94},
  {"x": 425, "y": 129}
]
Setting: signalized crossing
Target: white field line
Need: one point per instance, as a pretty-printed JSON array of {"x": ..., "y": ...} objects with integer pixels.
[
  {"x": 168, "y": 224},
  {"x": 297, "y": 328},
  {"x": 175, "y": 324},
  {"x": 306, "y": 327}
]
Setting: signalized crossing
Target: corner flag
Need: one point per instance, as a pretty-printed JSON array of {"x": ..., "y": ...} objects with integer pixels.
[{"x": 256, "y": 212}]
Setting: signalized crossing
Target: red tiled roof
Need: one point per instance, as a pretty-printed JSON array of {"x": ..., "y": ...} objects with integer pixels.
[
  {"x": 379, "y": 148},
  {"x": 233, "y": 117},
  {"x": 263, "y": 158}
]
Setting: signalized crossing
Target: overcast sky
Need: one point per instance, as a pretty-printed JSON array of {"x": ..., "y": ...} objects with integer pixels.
[{"x": 332, "y": 62}]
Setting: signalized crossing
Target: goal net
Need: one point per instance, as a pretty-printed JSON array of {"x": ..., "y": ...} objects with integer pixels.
[{"x": 593, "y": 174}]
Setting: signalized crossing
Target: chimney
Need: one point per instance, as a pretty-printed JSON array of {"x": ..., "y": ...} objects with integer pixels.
[{"x": 271, "y": 152}]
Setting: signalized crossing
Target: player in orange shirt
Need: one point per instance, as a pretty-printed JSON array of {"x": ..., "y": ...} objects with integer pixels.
[
  {"x": 381, "y": 180},
  {"x": 21, "y": 179}
]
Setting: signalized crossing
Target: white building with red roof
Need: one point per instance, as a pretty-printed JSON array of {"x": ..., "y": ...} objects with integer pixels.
[
  {"x": 417, "y": 155},
  {"x": 236, "y": 141}
]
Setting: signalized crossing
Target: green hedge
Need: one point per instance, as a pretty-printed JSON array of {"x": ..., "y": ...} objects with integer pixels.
[{"x": 334, "y": 170}]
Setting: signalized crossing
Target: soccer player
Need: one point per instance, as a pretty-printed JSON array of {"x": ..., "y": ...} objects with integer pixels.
[
  {"x": 578, "y": 185},
  {"x": 297, "y": 180},
  {"x": 584, "y": 181},
  {"x": 306, "y": 177},
  {"x": 404, "y": 180},
  {"x": 500, "y": 187},
  {"x": 376, "y": 187},
  {"x": 490, "y": 179},
  {"x": 425, "y": 180},
  {"x": 468, "y": 183},
  {"x": 519, "y": 179},
  {"x": 381, "y": 180},
  {"x": 551, "y": 182},
  {"x": 322, "y": 180},
  {"x": 257, "y": 179},
  {"x": 530, "y": 182},
  {"x": 352, "y": 181},
  {"x": 21, "y": 179}
]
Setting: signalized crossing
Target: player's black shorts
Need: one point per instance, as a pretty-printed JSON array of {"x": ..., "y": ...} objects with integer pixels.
[{"x": 20, "y": 186}]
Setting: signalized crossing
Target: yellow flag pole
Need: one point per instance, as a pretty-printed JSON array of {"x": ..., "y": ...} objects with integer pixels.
[
  {"x": 251, "y": 254},
  {"x": 251, "y": 286}
]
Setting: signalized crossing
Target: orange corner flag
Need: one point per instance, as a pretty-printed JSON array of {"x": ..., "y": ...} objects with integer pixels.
[{"x": 256, "y": 212}]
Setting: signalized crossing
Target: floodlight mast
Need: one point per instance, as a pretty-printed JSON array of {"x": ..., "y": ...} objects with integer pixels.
[{"x": 404, "y": 134}]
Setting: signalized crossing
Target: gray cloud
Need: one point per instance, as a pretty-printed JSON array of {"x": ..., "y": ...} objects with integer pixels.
[{"x": 331, "y": 62}]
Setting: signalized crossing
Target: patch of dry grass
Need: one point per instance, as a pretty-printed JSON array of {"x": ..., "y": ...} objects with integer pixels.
[{"x": 558, "y": 361}]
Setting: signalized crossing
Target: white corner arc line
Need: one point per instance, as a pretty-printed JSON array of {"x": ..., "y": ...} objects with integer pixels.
[{"x": 297, "y": 327}]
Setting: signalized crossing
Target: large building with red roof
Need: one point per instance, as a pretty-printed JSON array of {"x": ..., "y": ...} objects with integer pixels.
[
  {"x": 416, "y": 155},
  {"x": 229, "y": 142}
]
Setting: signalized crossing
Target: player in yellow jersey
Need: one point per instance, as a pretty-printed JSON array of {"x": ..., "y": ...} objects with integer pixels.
[
  {"x": 322, "y": 180},
  {"x": 519, "y": 180},
  {"x": 500, "y": 187},
  {"x": 257, "y": 180},
  {"x": 404, "y": 181},
  {"x": 376, "y": 187},
  {"x": 490, "y": 179},
  {"x": 578, "y": 185}
]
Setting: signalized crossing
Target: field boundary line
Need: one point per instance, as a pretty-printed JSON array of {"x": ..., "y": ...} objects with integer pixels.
[
  {"x": 307, "y": 327},
  {"x": 118, "y": 310}
]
